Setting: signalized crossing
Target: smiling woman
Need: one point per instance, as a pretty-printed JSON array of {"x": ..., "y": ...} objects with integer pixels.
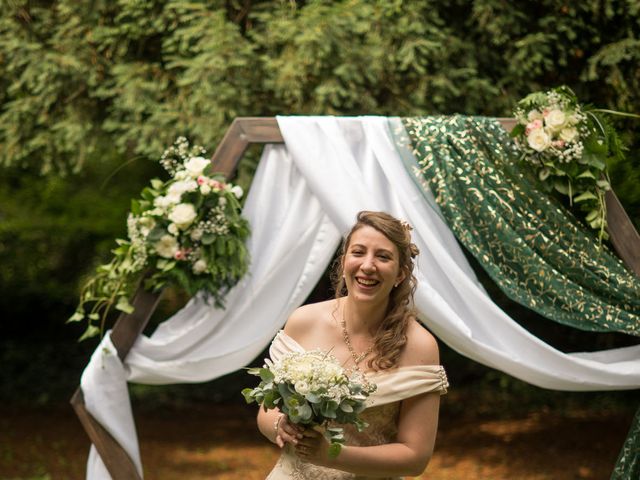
[{"x": 371, "y": 328}]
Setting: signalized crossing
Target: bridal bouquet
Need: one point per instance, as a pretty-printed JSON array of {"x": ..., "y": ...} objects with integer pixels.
[
  {"x": 568, "y": 145},
  {"x": 186, "y": 231},
  {"x": 312, "y": 388}
]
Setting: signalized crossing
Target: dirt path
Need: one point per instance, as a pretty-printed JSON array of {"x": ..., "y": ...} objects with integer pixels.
[{"x": 222, "y": 443}]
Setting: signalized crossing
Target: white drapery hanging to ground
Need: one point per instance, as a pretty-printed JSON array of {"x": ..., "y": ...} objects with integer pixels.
[{"x": 303, "y": 198}]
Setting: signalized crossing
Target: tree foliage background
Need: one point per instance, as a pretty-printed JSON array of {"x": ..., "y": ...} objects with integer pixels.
[{"x": 92, "y": 91}]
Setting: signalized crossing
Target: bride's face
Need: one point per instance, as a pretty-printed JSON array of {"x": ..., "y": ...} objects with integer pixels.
[{"x": 371, "y": 265}]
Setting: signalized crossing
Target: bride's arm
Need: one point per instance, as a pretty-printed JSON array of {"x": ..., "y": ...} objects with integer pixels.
[{"x": 409, "y": 455}]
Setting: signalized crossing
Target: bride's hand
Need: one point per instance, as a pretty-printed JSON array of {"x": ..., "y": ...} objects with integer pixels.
[
  {"x": 287, "y": 432},
  {"x": 313, "y": 447}
]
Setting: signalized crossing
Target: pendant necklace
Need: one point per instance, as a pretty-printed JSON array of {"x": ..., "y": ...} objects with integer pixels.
[{"x": 357, "y": 358}]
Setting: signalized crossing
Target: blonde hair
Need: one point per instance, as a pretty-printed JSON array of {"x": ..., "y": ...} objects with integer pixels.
[{"x": 391, "y": 337}]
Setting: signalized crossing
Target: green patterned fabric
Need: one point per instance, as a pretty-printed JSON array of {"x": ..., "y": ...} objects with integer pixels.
[
  {"x": 628, "y": 464},
  {"x": 532, "y": 247}
]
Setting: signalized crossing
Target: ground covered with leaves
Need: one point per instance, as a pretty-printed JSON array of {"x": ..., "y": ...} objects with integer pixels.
[{"x": 206, "y": 441}]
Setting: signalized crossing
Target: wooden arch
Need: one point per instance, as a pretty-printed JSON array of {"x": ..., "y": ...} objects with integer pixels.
[{"x": 243, "y": 132}]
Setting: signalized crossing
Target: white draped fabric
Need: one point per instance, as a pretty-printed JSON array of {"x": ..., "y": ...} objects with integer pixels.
[{"x": 304, "y": 196}]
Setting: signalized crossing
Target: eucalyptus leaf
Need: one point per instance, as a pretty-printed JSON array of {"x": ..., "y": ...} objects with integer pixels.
[
  {"x": 208, "y": 238},
  {"x": 346, "y": 407},
  {"x": 248, "y": 395},
  {"x": 266, "y": 375}
]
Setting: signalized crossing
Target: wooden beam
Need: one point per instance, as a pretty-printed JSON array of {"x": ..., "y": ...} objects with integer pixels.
[{"x": 242, "y": 132}]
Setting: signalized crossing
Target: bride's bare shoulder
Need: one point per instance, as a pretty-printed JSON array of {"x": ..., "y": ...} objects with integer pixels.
[
  {"x": 421, "y": 347},
  {"x": 309, "y": 319}
]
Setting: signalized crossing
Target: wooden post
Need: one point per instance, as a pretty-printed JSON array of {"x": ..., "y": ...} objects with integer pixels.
[{"x": 124, "y": 334}]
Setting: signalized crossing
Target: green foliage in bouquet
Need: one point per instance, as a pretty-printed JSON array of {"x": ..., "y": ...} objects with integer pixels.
[
  {"x": 313, "y": 389},
  {"x": 186, "y": 231},
  {"x": 569, "y": 146}
]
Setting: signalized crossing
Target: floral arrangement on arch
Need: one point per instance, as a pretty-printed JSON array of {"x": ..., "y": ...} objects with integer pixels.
[
  {"x": 186, "y": 231},
  {"x": 313, "y": 389},
  {"x": 568, "y": 145}
]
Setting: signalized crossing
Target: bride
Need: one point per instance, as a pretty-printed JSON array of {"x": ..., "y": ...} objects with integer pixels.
[{"x": 370, "y": 326}]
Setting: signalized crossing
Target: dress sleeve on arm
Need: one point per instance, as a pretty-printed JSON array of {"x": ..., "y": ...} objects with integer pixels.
[{"x": 406, "y": 382}]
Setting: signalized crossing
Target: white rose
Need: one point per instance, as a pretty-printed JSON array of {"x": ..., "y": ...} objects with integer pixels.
[
  {"x": 183, "y": 215},
  {"x": 302, "y": 387},
  {"x": 568, "y": 134},
  {"x": 222, "y": 201},
  {"x": 205, "y": 189},
  {"x": 173, "y": 198},
  {"x": 196, "y": 234},
  {"x": 555, "y": 119},
  {"x": 167, "y": 246},
  {"x": 538, "y": 140},
  {"x": 172, "y": 229},
  {"x": 237, "y": 191},
  {"x": 534, "y": 115},
  {"x": 194, "y": 166},
  {"x": 164, "y": 202},
  {"x": 199, "y": 267},
  {"x": 178, "y": 188}
]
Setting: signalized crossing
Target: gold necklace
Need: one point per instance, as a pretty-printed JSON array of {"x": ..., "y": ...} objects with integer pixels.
[{"x": 345, "y": 335}]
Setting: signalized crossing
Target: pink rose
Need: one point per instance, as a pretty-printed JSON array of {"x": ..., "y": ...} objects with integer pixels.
[
  {"x": 216, "y": 185},
  {"x": 532, "y": 126},
  {"x": 558, "y": 143},
  {"x": 182, "y": 254},
  {"x": 201, "y": 180}
]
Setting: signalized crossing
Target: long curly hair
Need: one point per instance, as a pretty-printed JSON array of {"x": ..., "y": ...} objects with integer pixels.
[{"x": 391, "y": 337}]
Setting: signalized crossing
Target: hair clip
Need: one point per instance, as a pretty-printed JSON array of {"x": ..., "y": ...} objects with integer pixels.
[{"x": 406, "y": 225}]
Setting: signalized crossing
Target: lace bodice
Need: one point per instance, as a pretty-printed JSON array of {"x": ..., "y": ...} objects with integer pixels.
[{"x": 381, "y": 415}]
